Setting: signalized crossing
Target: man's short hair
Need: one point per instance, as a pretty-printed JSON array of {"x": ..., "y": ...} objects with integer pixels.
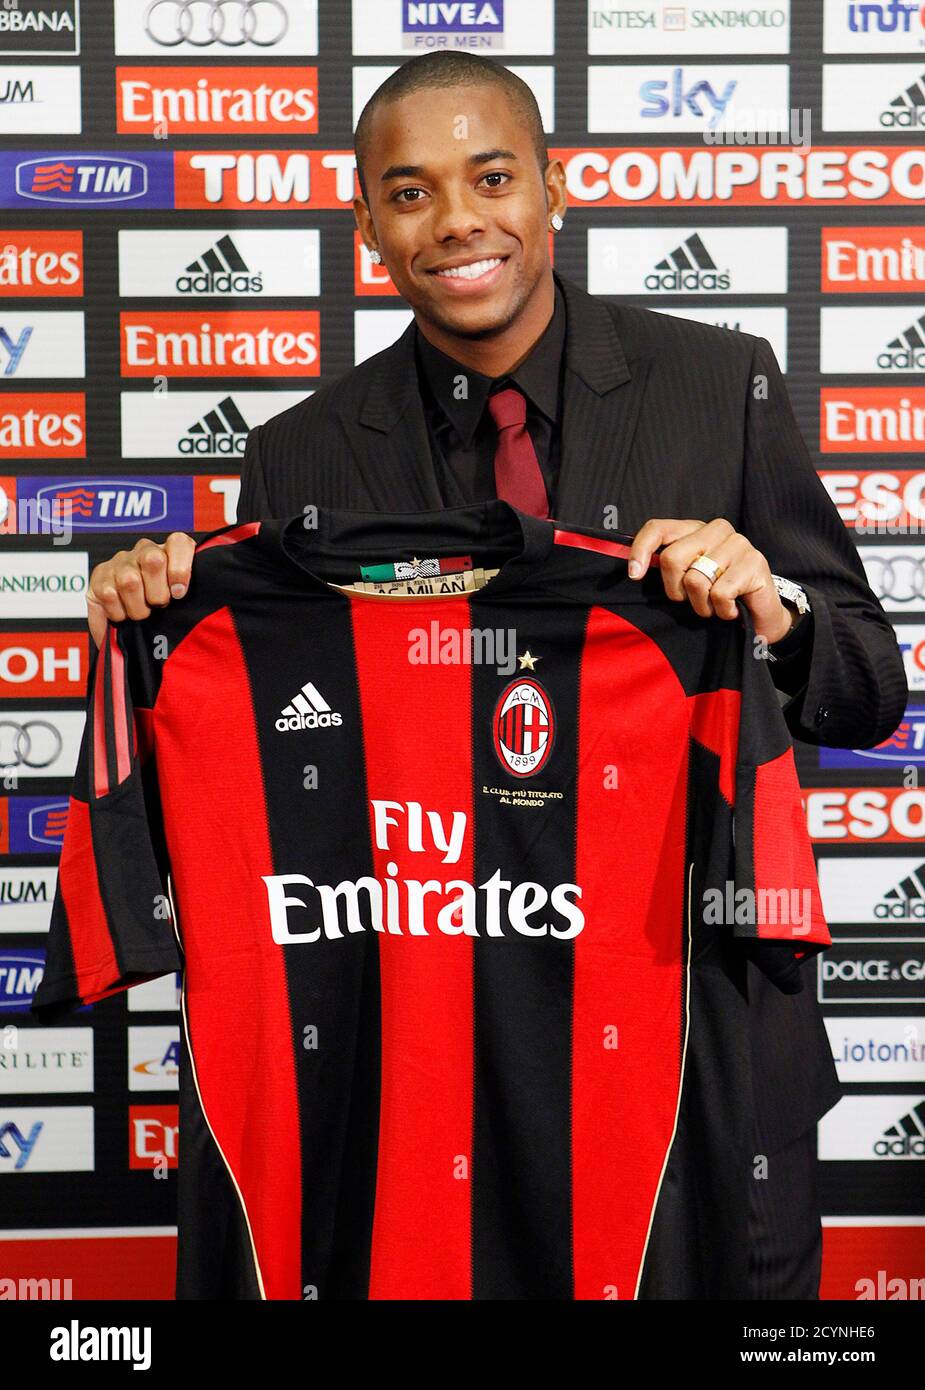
[{"x": 452, "y": 69}]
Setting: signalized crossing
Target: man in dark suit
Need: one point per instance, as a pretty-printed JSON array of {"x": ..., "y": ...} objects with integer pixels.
[{"x": 513, "y": 382}]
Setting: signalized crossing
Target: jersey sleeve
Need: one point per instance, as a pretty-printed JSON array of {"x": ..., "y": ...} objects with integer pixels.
[
  {"x": 773, "y": 853},
  {"x": 111, "y": 920}
]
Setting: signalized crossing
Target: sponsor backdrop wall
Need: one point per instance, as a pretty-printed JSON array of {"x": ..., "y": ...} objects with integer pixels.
[{"x": 173, "y": 172}]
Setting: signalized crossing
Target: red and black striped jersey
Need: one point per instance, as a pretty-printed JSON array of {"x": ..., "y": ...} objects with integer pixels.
[{"x": 463, "y": 889}]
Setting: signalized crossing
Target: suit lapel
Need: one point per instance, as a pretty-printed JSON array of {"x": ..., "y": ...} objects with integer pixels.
[
  {"x": 389, "y": 435},
  {"x": 601, "y": 399}
]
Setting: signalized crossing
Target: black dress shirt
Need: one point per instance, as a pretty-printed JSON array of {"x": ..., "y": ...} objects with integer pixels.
[
  {"x": 463, "y": 439},
  {"x": 462, "y": 432}
]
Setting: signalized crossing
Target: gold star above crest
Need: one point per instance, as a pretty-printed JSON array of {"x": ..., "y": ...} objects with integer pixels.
[{"x": 528, "y": 660}]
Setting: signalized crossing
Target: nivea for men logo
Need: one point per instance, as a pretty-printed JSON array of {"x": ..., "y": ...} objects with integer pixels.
[
  {"x": 470, "y": 17},
  {"x": 20, "y": 975}
]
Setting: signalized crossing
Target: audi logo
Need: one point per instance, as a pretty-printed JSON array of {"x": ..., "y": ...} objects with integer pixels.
[
  {"x": 900, "y": 578},
  {"x": 230, "y": 23},
  {"x": 23, "y": 747}
]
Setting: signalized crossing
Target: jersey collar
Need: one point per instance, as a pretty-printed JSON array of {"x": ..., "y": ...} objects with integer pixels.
[{"x": 384, "y": 536}]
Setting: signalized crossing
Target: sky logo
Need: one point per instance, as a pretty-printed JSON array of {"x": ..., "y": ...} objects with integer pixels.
[
  {"x": 16, "y": 1144},
  {"x": 12, "y": 349},
  {"x": 669, "y": 98}
]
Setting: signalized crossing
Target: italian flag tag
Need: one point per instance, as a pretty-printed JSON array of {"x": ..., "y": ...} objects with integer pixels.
[{"x": 415, "y": 569}]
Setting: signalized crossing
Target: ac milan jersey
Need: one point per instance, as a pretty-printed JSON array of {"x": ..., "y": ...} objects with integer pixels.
[{"x": 463, "y": 888}]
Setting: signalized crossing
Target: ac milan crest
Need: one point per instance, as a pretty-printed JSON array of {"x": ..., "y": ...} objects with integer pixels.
[{"x": 523, "y": 728}]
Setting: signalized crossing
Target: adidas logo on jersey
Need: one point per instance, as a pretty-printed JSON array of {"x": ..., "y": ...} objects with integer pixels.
[{"x": 307, "y": 710}]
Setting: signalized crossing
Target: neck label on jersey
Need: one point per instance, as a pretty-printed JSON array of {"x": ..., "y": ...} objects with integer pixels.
[
  {"x": 438, "y": 586},
  {"x": 415, "y": 569}
]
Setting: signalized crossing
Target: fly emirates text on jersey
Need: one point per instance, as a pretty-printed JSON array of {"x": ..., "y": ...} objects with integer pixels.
[{"x": 399, "y": 906}]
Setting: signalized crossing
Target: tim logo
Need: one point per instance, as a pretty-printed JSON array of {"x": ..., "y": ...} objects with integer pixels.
[
  {"x": 20, "y": 973},
  {"x": 441, "y": 18},
  {"x": 46, "y": 825},
  {"x": 94, "y": 179},
  {"x": 106, "y": 504},
  {"x": 523, "y": 728}
]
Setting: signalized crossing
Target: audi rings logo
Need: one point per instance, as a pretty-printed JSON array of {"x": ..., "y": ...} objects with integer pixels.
[
  {"x": 28, "y": 744},
  {"x": 897, "y": 578},
  {"x": 228, "y": 23}
]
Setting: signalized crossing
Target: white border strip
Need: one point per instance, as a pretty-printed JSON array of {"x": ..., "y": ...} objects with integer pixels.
[
  {"x": 91, "y": 1233},
  {"x": 873, "y": 1221},
  {"x": 677, "y": 1112},
  {"x": 189, "y": 1049}
]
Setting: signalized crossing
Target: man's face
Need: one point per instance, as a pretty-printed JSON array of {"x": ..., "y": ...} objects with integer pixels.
[{"x": 451, "y": 210}]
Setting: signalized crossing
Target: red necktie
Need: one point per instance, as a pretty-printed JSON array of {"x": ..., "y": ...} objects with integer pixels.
[{"x": 518, "y": 478}]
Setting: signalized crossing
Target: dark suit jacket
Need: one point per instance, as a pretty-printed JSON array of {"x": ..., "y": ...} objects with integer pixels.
[{"x": 662, "y": 417}]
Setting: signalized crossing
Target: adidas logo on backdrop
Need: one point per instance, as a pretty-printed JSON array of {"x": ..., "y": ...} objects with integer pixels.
[
  {"x": 906, "y": 111},
  {"x": 906, "y": 352},
  {"x": 905, "y": 1139},
  {"x": 222, "y": 270},
  {"x": 221, "y": 430},
  {"x": 688, "y": 267},
  {"x": 905, "y": 901}
]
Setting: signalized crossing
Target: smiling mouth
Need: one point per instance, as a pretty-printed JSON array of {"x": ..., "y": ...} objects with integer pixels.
[{"x": 476, "y": 271}]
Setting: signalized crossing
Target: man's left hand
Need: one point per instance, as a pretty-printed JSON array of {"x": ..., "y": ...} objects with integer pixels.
[{"x": 745, "y": 573}]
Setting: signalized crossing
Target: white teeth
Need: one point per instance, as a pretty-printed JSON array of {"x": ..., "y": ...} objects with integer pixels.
[{"x": 471, "y": 272}]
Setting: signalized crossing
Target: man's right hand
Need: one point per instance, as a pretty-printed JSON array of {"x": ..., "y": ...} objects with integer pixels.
[{"x": 137, "y": 580}]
